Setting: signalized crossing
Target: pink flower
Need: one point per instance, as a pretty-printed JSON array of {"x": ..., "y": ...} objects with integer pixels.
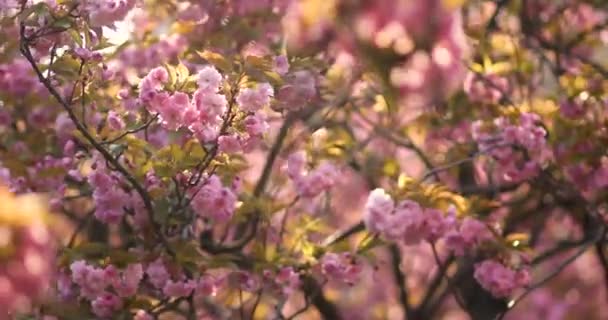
[
  {"x": 301, "y": 88},
  {"x": 115, "y": 122},
  {"x": 310, "y": 183},
  {"x": 401, "y": 222},
  {"x": 229, "y": 143},
  {"x": 152, "y": 83},
  {"x": 157, "y": 273},
  {"x": 254, "y": 99},
  {"x": 92, "y": 281},
  {"x": 214, "y": 200},
  {"x": 288, "y": 279},
  {"x": 105, "y": 305},
  {"x": 207, "y": 286},
  {"x": 498, "y": 279},
  {"x": 255, "y": 125},
  {"x": 179, "y": 288},
  {"x": 172, "y": 112},
  {"x": 142, "y": 315},
  {"x": 110, "y": 204},
  {"x": 79, "y": 271},
  {"x": 341, "y": 266},
  {"x": 280, "y": 64},
  {"x": 65, "y": 286},
  {"x": 107, "y": 12},
  {"x": 126, "y": 283},
  {"x": 209, "y": 79},
  {"x": 210, "y": 105},
  {"x": 436, "y": 224},
  {"x": 471, "y": 233},
  {"x": 378, "y": 205},
  {"x": 485, "y": 88}
]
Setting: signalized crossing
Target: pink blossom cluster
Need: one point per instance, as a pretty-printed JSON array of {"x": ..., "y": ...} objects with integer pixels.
[
  {"x": 106, "y": 288},
  {"x": 250, "y": 100},
  {"x": 94, "y": 283},
  {"x": 202, "y": 115},
  {"x": 256, "y": 98},
  {"x": 590, "y": 178},
  {"x": 285, "y": 280},
  {"x": 26, "y": 272},
  {"x": 301, "y": 88},
  {"x": 500, "y": 280},
  {"x": 405, "y": 221},
  {"x": 255, "y": 126},
  {"x": 310, "y": 183},
  {"x": 468, "y": 234},
  {"x": 573, "y": 109},
  {"x": 47, "y": 174},
  {"x": 342, "y": 267},
  {"x": 109, "y": 197},
  {"x": 213, "y": 200},
  {"x": 7, "y": 5},
  {"x": 488, "y": 88},
  {"x": 409, "y": 223},
  {"x": 17, "y": 78},
  {"x": 107, "y": 12},
  {"x": 501, "y": 140}
]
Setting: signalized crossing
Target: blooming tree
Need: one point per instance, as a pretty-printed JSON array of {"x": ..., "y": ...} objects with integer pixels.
[{"x": 283, "y": 159}]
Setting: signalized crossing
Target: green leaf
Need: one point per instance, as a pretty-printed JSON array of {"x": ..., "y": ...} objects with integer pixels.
[
  {"x": 216, "y": 59},
  {"x": 172, "y": 75},
  {"x": 38, "y": 9},
  {"x": 141, "y": 303},
  {"x": 66, "y": 65},
  {"x": 91, "y": 249},
  {"x": 187, "y": 252},
  {"x": 369, "y": 242},
  {"x": 64, "y": 22},
  {"x": 122, "y": 258},
  {"x": 182, "y": 73},
  {"x": 161, "y": 211}
]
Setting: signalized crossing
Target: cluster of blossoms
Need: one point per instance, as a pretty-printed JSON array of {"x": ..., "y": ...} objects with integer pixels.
[
  {"x": 405, "y": 221},
  {"x": 409, "y": 223},
  {"x": 489, "y": 88},
  {"x": 311, "y": 183},
  {"x": 213, "y": 200},
  {"x": 15, "y": 78},
  {"x": 285, "y": 280},
  {"x": 107, "y": 12},
  {"x": 94, "y": 283},
  {"x": 502, "y": 138},
  {"x": 342, "y": 267},
  {"x": 26, "y": 252},
  {"x": 107, "y": 288},
  {"x": 499, "y": 279},
  {"x": 301, "y": 87},
  {"x": 203, "y": 113},
  {"x": 110, "y": 200}
]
